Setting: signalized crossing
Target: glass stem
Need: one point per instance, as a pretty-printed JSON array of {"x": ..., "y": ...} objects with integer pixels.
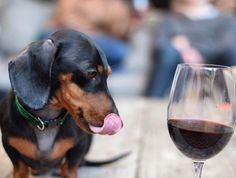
[{"x": 198, "y": 165}]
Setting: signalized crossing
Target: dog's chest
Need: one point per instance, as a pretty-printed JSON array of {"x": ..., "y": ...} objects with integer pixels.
[
  {"x": 48, "y": 145},
  {"x": 45, "y": 140}
]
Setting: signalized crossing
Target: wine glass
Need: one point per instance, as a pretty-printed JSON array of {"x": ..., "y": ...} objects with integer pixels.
[{"x": 201, "y": 114}]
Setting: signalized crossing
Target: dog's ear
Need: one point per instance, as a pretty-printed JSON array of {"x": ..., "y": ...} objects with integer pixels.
[{"x": 30, "y": 73}]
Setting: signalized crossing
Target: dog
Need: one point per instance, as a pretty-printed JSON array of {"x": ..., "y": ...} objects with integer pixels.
[{"x": 59, "y": 98}]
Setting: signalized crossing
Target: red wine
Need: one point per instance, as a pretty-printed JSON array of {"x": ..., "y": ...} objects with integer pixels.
[{"x": 199, "y": 139}]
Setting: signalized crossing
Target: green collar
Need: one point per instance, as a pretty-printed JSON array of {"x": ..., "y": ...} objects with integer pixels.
[{"x": 37, "y": 121}]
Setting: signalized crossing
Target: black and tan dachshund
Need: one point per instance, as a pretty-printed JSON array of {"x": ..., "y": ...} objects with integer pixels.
[{"x": 59, "y": 98}]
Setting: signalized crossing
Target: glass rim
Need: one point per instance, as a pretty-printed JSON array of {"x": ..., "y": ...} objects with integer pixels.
[{"x": 210, "y": 66}]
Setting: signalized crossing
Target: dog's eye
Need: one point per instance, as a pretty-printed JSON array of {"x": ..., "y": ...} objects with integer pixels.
[{"x": 92, "y": 75}]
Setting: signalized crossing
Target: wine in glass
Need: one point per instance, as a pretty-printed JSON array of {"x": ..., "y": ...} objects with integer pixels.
[{"x": 201, "y": 113}]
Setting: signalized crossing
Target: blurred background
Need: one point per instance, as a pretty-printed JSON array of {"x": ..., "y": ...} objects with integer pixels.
[{"x": 144, "y": 40}]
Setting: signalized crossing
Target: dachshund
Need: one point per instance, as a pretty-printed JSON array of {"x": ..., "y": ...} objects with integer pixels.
[{"x": 59, "y": 99}]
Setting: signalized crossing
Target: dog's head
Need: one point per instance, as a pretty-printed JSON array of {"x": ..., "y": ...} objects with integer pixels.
[{"x": 67, "y": 71}]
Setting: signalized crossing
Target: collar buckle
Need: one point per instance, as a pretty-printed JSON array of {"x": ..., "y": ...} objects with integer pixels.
[{"x": 41, "y": 125}]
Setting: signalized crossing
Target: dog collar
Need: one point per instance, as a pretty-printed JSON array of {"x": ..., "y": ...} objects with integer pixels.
[{"x": 37, "y": 121}]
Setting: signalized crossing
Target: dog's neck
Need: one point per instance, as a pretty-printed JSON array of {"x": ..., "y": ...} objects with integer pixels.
[
  {"x": 46, "y": 138},
  {"x": 46, "y": 113}
]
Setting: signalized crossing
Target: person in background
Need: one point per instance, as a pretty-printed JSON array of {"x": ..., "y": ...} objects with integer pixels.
[
  {"x": 228, "y": 6},
  {"x": 194, "y": 31},
  {"x": 108, "y": 22}
]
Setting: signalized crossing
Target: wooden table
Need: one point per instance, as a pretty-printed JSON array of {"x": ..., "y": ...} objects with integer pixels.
[{"x": 153, "y": 153}]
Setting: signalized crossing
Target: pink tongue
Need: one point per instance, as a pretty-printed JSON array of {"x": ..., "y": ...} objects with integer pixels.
[{"x": 112, "y": 125}]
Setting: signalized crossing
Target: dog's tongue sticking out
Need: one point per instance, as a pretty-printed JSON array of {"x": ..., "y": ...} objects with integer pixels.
[{"x": 112, "y": 125}]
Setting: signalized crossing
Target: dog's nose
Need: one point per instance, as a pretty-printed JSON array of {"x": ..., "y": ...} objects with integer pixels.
[{"x": 115, "y": 110}]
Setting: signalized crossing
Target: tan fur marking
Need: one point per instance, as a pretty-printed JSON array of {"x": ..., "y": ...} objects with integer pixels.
[
  {"x": 65, "y": 78},
  {"x": 60, "y": 148},
  {"x": 109, "y": 71},
  {"x": 29, "y": 150},
  {"x": 68, "y": 173},
  {"x": 23, "y": 146},
  {"x": 70, "y": 96},
  {"x": 54, "y": 103},
  {"x": 100, "y": 69},
  {"x": 22, "y": 171}
]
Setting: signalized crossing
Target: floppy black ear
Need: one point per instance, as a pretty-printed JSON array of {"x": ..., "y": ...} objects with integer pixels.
[{"x": 30, "y": 74}]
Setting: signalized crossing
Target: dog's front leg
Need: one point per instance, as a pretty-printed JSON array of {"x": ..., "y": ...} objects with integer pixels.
[
  {"x": 74, "y": 157},
  {"x": 68, "y": 171},
  {"x": 21, "y": 170}
]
